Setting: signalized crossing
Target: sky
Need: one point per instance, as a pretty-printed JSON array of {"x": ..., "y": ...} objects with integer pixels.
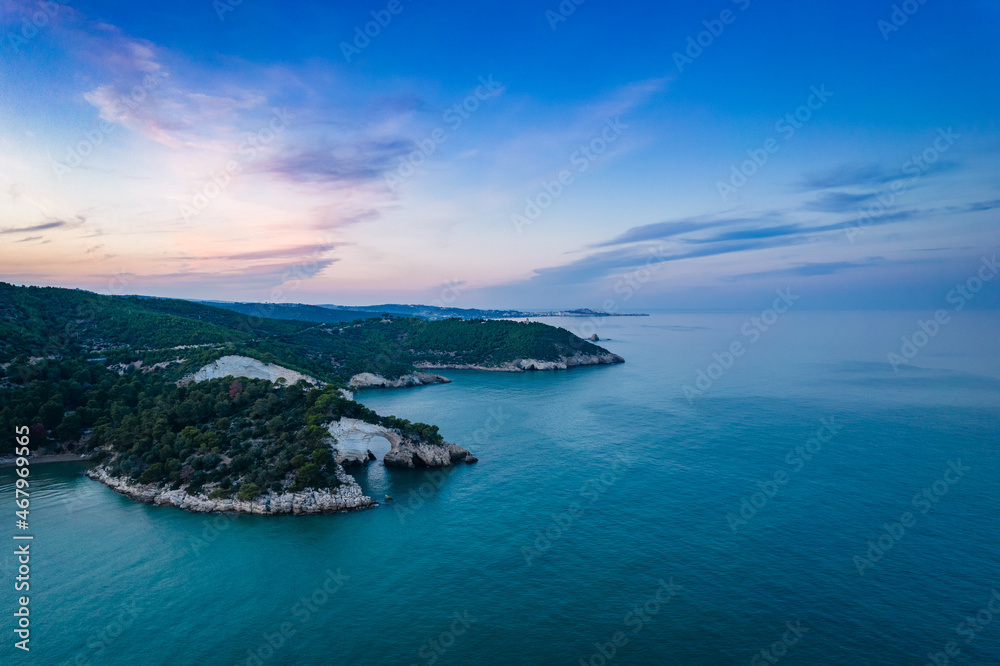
[{"x": 525, "y": 154}]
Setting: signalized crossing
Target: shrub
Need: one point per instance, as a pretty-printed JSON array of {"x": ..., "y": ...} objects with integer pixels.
[
  {"x": 307, "y": 475},
  {"x": 321, "y": 456},
  {"x": 153, "y": 474},
  {"x": 248, "y": 491}
]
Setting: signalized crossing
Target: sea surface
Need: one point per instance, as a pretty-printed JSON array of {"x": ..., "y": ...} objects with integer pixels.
[{"x": 806, "y": 499}]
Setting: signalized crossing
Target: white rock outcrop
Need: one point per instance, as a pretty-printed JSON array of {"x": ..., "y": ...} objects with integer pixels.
[
  {"x": 251, "y": 368},
  {"x": 524, "y": 364},
  {"x": 417, "y": 454},
  {"x": 354, "y": 439},
  {"x": 371, "y": 380}
]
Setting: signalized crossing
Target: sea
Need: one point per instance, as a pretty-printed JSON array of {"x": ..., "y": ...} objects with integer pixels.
[{"x": 747, "y": 488}]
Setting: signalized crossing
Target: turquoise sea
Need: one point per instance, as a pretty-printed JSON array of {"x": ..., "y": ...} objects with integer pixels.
[{"x": 610, "y": 520}]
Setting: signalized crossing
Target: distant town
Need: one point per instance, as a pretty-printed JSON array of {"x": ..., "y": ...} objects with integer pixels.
[{"x": 435, "y": 312}]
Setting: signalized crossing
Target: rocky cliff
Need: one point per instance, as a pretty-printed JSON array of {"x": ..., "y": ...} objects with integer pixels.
[
  {"x": 346, "y": 497},
  {"x": 524, "y": 364},
  {"x": 244, "y": 366},
  {"x": 370, "y": 380},
  {"x": 416, "y": 455},
  {"x": 354, "y": 440},
  {"x": 351, "y": 441}
]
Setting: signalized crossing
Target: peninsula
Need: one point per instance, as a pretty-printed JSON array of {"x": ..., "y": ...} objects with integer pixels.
[
  {"x": 334, "y": 313},
  {"x": 207, "y": 409}
]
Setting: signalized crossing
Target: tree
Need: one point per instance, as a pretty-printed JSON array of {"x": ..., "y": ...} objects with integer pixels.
[
  {"x": 51, "y": 413},
  {"x": 69, "y": 428},
  {"x": 248, "y": 491},
  {"x": 307, "y": 475},
  {"x": 154, "y": 473},
  {"x": 37, "y": 434},
  {"x": 276, "y": 425}
]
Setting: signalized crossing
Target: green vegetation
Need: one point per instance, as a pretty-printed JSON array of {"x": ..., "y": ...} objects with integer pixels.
[
  {"x": 101, "y": 373},
  {"x": 242, "y": 435},
  {"x": 44, "y": 322}
]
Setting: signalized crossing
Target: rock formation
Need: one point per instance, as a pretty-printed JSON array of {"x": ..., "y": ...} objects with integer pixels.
[
  {"x": 345, "y": 497},
  {"x": 417, "y": 455},
  {"x": 244, "y": 366},
  {"x": 354, "y": 440},
  {"x": 370, "y": 380},
  {"x": 523, "y": 364}
]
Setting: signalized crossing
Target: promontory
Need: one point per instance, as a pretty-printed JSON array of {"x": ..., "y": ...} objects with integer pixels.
[{"x": 207, "y": 409}]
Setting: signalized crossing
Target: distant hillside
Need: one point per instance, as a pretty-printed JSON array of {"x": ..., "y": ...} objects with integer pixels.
[
  {"x": 71, "y": 360},
  {"x": 430, "y": 311},
  {"x": 435, "y": 312},
  {"x": 329, "y": 313},
  {"x": 295, "y": 311},
  {"x": 66, "y": 323}
]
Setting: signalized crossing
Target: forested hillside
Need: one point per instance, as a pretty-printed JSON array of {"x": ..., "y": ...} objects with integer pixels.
[
  {"x": 47, "y": 322},
  {"x": 88, "y": 372}
]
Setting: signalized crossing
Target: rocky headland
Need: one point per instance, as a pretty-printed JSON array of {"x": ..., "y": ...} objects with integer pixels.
[
  {"x": 416, "y": 455},
  {"x": 354, "y": 439},
  {"x": 371, "y": 380},
  {"x": 346, "y": 497},
  {"x": 525, "y": 364},
  {"x": 351, "y": 441}
]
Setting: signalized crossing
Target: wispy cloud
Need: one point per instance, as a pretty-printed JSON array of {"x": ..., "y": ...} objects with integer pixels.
[
  {"x": 809, "y": 269},
  {"x": 868, "y": 175},
  {"x": 850, "y": 175},
  {"x": 839, "y": 202},
  {"x": 748, "y": 234},
  {"x": 275, "y": 253},
  {"x": 36, "y": 227},
  {"x": 292, "y": 252},
  {"x": 331, "y": 162},
  {"x": 257, "y": 276},
  {"x": 975, "y": 207},
  {"x": 141, "y": 93},
  {"x": 602, "y": 264},
  {"x": 671, "y": 229}
]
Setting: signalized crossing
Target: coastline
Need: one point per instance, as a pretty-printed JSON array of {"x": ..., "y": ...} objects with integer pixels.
[
  {"x": 8, "y": 461},
  {"x": 347, "y": 497},
  {"x": 528, "y": 364},
  {"x": 351, "y": 439},
  {"x": 367, "y": 380},
  {"x": 371, "y": 380}
]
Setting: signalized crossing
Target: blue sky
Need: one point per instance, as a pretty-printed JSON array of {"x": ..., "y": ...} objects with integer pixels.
[{"x": 205, "y": 150}]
